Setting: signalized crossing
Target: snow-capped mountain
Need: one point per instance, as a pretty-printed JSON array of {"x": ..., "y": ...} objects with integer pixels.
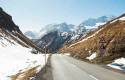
[
  {"x": 60, "y": 32},
  {"x": 95, "y": 22},
  {"x": 70, "y": 28},
  {"x": 53, "y": 40},
  {"x": 53, "y": 36},
  {"x": 62, "y": 27}
]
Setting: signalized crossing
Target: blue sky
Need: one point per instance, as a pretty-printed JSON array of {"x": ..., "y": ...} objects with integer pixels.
[{"x": 35, "y": 14}]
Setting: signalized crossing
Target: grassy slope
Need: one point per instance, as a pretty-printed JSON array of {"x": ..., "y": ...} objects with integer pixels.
[{"x": 114, "y": 34}]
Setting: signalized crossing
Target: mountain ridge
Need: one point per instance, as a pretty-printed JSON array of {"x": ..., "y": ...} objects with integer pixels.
[
  {"x": 77, "y": 29},
  {"x": 64, "y": 34},
  {"x": 113, "y": 32}
]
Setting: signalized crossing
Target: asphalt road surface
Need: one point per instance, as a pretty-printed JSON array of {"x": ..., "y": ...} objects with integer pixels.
[{"x": 68, "y": 68}]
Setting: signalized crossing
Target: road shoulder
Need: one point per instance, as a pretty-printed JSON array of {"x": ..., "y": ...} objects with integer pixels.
[{"x": 46, "y": 72}]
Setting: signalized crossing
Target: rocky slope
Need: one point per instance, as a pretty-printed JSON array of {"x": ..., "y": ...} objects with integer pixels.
[
  {"x": 53, "y": 41},
  {"x": 53, "y": 36},
  {"x": 114, "y": 36}
]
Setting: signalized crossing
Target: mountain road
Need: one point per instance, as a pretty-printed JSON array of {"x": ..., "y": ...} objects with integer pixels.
[{"x": 68, "y": 68}]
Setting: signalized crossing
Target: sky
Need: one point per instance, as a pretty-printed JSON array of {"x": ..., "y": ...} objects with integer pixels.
[{"x": 35, "y": 14}]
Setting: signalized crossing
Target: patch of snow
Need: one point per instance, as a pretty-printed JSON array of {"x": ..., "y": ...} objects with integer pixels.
[
  {"x": 114, "y": 21},
  {"x": 92, "y": 56},
  {"x": 64, "y": 33},
  {"x": 15, "y": 58},
  {"x": 122, "y": 18},
  {"x": 68, "y": 54},
  {"x": 95, "y": 26},
  {"x": 118, "y": 64},
  {"x": 99, "y": 24},
  {"x": 74, "y": 37},
  {"x": 32, "y": 78}
]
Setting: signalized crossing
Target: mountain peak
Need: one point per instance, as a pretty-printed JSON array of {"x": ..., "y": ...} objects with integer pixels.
[{"x": 93, "y": 22}]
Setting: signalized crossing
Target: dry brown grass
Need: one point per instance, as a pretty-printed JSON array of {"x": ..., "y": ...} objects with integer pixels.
[
  {"x": 26, "y": 75},
  {"x": 114, "y": 34}
]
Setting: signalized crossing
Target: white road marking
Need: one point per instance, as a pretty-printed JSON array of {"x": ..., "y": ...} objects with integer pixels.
[{"x": 93, "y": 77}]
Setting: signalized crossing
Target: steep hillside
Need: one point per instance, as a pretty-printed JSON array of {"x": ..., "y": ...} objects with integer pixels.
[
  {"x": 114, "y": 35},
  {"x": 16, "y": 57},
  {"x": 9, "y": 28}
]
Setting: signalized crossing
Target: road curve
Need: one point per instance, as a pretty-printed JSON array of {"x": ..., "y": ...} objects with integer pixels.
[{"x": 68, "y": 68}]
